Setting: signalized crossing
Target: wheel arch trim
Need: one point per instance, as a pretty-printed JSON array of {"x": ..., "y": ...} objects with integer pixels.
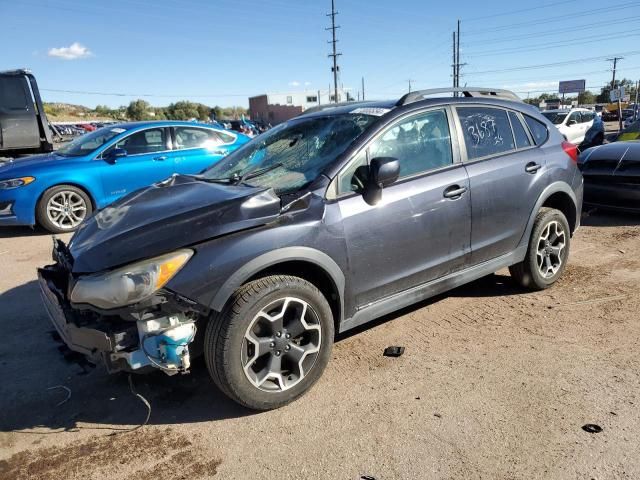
[{"x": 273, "y": 258}]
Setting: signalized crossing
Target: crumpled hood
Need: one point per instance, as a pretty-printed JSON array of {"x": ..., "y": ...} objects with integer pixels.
[
  {"x": 617, "y": 158},
  {"x": 178, "y": 212}
]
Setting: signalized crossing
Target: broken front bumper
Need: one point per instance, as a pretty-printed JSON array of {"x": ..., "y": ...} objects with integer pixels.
[
  {"x": 88, "y": 341},
  {"x": 156, "y": 340}
]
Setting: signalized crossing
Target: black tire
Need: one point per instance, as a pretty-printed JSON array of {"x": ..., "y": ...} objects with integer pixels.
[
  {"x": 528, "y": 272},
  {"x": 42, "y": 217},
  {"x": 225, "y": 334}
]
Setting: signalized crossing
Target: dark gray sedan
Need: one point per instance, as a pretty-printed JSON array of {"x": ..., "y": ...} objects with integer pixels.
[{"x": 612, "y": 175}]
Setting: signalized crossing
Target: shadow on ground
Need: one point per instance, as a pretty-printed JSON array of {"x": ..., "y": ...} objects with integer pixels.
[{"x": 596, "y": 217}]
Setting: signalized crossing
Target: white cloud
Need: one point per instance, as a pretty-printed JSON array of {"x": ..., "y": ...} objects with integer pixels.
[
  {"x": 295, "y": 83},
  {"x": 72, "y": 52}
]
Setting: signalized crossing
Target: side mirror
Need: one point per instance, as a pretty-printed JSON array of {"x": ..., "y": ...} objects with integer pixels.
[
  {"x": 383, "y": 171},
  {"x": 115, "y": 154}
]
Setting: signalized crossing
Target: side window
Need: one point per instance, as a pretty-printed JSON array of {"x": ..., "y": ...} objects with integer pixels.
[
  {"x": 354, "y": 177},
  {"x": 574, "y": 117},
  {"x": 486, "y": 131},
  {"x": 420, "y": 143},
  {"x": 587, "y": 117},
  {"x": 146, "y": 141},
  {"x": 519, "y": 133},
  {"x": 188, "y": 137},
  {"x": 538, "y": 130}
]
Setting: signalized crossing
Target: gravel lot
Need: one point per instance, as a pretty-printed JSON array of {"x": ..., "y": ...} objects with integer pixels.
[{"x": 495, "y": 383}]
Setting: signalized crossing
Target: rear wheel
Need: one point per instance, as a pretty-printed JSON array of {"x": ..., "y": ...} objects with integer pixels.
[
  {"x": 271, "y": 343},
  {"x": 63, "y": 208},
  {"x": 548, "y": 251}
]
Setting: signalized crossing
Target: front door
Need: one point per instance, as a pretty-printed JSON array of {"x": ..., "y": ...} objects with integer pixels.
[
  {"x": 420, "y": 230},
  {"x": 148, "y": 160}
]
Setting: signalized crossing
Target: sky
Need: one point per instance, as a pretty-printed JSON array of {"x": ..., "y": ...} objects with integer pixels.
[{"x": 220, "y": 52}]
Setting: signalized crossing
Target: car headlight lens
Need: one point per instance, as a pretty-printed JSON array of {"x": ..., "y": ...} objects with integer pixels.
[
  {"x": 130, "y": 284},
  {"x": 15, "y": 182}
]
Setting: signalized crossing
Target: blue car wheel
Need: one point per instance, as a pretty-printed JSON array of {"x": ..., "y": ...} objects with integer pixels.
[{"x": 63, "y": 208}]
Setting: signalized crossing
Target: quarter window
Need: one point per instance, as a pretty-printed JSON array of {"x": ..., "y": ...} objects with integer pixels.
[
  {"x": 486, "y": 131},
  {"x": 538, "y": 129},
  {"x": 187, "y": 137},
  {"x": 519, "y": 133},
  {"x": 146, "y": 141}
]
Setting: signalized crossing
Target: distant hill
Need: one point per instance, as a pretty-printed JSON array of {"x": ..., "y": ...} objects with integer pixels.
[{"x": 66, "y": 112}]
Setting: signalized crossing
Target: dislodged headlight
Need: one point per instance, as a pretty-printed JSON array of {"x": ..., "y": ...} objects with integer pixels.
[
  {"x": 130, "y": 284},
  {"x": 15, "y": 182}
]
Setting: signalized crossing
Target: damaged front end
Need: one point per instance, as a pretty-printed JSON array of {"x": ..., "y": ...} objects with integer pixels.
[{"x": 124, "y": 318}]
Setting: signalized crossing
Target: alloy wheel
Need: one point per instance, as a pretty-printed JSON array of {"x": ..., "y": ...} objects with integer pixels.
[
  {"x": 281, "y": 344},
  {"x": 550, "y": 251},
  {"x": 66, "y": 209}
]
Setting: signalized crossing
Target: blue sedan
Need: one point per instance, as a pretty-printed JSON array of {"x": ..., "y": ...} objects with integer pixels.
[{"x": 59, "y": 190}]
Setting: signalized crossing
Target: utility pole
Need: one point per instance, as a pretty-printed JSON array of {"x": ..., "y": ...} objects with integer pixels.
[
  {"x": 635, "y": 104},
  {"x": 362, "y": 88},
  {"x": 334, "y": 53},
  {"x": 453, "y": 64},
  {"x": 615, "y": 63},
  {"x": 458, "y": 57}
]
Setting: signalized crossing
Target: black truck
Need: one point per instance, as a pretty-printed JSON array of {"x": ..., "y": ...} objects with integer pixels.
[{"x": 24, "y": 128}]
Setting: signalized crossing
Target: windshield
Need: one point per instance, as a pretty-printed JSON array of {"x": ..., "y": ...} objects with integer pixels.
[
  {"x": 89, "y": 142},
  {"x": 297, "y": 151},
  {"x": 555, "y": 117}
]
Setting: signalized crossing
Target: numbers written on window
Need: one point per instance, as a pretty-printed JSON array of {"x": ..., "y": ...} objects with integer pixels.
[
  {"x": 486, "y": 131},
  {"x": 187, "y": 137},
  {"x": 420, "y": 144}
]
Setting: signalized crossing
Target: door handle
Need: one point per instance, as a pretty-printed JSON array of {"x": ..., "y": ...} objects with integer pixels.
[
  {"x": 532, "y": 167},
  {"x": 454, "y": 191},
  {"x": 160, "y": 158}
]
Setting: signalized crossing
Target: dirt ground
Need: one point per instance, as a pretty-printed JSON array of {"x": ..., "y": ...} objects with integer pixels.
[{"x": 495, "y": 382}]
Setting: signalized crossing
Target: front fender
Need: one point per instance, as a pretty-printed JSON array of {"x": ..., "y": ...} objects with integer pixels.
[{"x": 275, "y": 257}]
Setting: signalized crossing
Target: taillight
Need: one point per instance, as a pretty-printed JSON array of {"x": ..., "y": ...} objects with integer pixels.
[{"x": 571, "y": 150}]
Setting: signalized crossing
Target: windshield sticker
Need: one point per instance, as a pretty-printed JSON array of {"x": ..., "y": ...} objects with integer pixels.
[
  {"x": 118, "y": 130},
  {"x": 377, "y": 111}
]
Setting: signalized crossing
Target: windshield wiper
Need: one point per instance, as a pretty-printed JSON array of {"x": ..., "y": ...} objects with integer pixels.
[{"x": 256, "y": 173}]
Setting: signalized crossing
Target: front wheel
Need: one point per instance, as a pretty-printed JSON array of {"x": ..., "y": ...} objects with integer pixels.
[
  {"x": 63, "y": 208},
  {"x": 271, "y": 343},
  {"x": 547, "y": 253}
]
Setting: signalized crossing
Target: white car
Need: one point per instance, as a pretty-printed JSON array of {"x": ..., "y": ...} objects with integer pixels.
[{"x": 573, "y": 123}]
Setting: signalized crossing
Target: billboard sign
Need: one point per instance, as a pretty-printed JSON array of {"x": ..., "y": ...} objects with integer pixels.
[{"x": 572, "y": 86}]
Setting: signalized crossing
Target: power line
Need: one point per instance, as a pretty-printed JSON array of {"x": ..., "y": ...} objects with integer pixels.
[
  {"x": 334, "y": 55},
  {"x": 152, "y": 95},
  {"x": 554, "y": 64},
  {"x": 512, "y": 12}
]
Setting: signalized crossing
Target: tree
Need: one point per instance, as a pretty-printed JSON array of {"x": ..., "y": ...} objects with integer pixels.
[{"x": 139, "y": 110}]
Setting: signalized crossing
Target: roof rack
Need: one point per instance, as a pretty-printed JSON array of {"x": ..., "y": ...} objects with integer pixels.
[
  {"x": 327, "y": 106},
  {"x": 466, "y": 91}
]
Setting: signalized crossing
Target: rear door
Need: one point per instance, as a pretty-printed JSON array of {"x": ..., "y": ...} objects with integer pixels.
[
  {"x": 18, "y": 121},
  {"x": 506, "y": 172},
  {"x": 419, "y": 231},
  {"x": 198, "y": 148},
  {"x": 575, "y": 128},
  {"x": 147, "y": 161}
]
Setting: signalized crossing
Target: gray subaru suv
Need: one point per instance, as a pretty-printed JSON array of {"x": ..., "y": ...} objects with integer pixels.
[{"x": 327, "y": 221}]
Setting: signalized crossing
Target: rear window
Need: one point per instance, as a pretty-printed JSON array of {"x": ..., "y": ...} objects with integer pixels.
[
  {"x": 486, "y": 131},
  {"x": 12, "y": 93},
  {"x": 538, "y": 130}
]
